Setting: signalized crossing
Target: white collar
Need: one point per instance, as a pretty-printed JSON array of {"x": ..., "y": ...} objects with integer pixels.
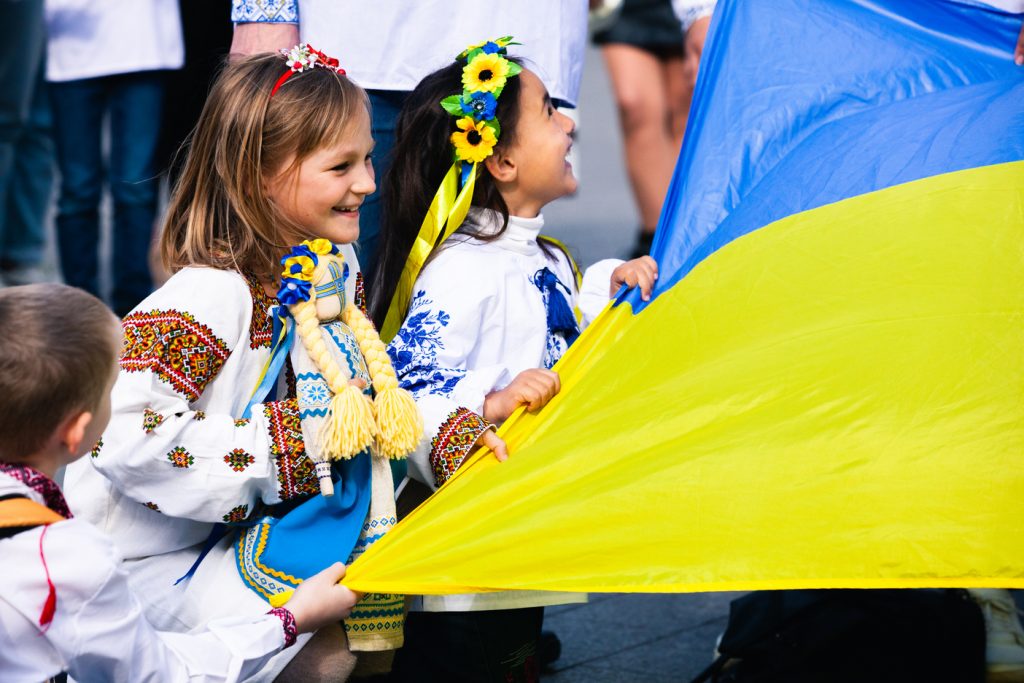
[{"x": 520, "y": 236}]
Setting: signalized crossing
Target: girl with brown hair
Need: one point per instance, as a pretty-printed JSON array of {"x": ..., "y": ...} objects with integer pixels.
[{"x": 206, "y": 434}]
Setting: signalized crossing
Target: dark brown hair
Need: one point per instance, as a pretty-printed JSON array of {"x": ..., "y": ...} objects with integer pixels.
[
  {"x": 422, "y": 156},
  {"x": 56, "y": 358},
  {"x": 219, "y": 214}
]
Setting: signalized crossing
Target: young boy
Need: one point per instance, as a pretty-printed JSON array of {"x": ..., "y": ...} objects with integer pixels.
[{"x": 65, "y": 604}]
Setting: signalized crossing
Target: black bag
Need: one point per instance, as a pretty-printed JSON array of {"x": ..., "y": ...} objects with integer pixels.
[{"x": 851, "y": 636}]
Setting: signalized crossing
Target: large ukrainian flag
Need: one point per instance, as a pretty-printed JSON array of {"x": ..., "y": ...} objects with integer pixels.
[{"x": 828, "y": 390}]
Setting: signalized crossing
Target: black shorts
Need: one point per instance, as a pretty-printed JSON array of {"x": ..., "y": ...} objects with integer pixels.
[{"x": 648, "y": 24}]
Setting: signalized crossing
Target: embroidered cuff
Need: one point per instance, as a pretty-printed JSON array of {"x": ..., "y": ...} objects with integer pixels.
[
  {"x": 265, "y": 11},
  {"x": 296, "y": 474},
  {"x": 291, "y": 631},
  {"x": 453, "y": 441}
]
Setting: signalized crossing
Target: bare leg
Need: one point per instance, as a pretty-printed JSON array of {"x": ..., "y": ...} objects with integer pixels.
[
  {"x": 639, "y": 87},
  {"x": 678, "y": 95}
]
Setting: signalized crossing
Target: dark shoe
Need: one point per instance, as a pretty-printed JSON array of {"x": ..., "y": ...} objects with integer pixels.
[{"x": 549, "y": 648}]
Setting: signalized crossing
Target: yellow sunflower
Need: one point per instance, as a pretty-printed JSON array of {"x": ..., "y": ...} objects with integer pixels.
[
  {"x": 475, "y": 142},
  {"x": 487, "y": 72}
]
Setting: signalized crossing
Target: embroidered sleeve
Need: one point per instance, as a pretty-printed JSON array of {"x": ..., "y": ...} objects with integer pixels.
[
  {"x": 296, "y": 475},
  {"x": 432, "y": 357},
  {"x": 265, "y": 11},
  {"x": 205, "y": 464},
  {"x": 453, "y": 441}
]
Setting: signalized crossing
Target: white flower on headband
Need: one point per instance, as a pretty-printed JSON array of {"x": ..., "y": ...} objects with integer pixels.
[{"x": 302, "y": 57}]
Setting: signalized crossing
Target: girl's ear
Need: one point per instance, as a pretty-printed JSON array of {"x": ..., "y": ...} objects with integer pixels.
[{"x": 501, "y": 167}]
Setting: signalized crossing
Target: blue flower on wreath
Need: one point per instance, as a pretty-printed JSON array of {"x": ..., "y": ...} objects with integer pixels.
[
  {"x": 480, "y": 105},
  {"x": 490, "y": 47}
]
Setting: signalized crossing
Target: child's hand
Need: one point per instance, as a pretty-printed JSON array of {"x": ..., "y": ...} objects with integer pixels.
[
  {"x": 532, "y": 388},
  {"x": 495, "y": 443},
  {"x": 321, "y": 600},
  {"x": 641, "y": 271}
]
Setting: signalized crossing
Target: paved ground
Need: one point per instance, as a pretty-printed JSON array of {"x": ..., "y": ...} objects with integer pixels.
[{"x": 619, "y": 638}]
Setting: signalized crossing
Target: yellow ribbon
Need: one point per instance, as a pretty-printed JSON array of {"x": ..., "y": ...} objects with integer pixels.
[{"x": 447, "y": 211}]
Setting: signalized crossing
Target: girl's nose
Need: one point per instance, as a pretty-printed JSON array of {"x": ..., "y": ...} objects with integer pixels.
[
  {"x": 365, "y": 183},
  {"x": 568, "y": 125}
]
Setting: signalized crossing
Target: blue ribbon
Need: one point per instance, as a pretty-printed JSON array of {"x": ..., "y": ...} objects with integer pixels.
[
  {"x": 560, "y": 316},
  {"x": 278, "y": 355}
]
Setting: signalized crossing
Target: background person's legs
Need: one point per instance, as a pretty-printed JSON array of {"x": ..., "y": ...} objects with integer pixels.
[
  {"x": 78, "y": 108},
  {"x": 136, "y": 102},
  {"x": 638, "y": 79},
  {"x": 26, "y": 156},
  {"x": 29, "y": 189}
]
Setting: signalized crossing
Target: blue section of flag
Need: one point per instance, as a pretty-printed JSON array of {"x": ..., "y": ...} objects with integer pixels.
[{"x": 801, "y": 104}]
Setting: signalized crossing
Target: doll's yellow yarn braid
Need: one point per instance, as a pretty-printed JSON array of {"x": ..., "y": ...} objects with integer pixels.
[
  {"x": 399, "y": 423},
  {"x": 352, "y": 427},
  {"x": 392, "y": 417}
]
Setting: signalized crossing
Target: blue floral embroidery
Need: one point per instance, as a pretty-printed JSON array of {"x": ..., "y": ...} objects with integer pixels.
[
  {"x": 265, "y": 11},
  {"x": 414, "y": 350},
  {"x": 554, "y": 349}
]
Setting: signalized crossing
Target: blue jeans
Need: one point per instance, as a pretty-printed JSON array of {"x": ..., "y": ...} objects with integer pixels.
[
  {"x": 26, "y": 149},
  {"x": 385, "y": 106},
  {"x": 133, "y": 103}
]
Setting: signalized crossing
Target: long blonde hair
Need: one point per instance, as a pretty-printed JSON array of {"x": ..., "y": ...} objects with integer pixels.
[{"x": 219, "y": 214}]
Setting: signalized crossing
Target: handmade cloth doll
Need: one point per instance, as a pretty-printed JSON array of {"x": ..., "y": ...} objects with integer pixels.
[{"x": 338, "y": 360}]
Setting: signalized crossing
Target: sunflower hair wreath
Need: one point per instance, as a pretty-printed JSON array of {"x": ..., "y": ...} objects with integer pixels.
[{"x": 483, "y": 78}]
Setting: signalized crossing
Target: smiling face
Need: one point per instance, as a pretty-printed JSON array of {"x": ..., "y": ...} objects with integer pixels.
[
  {"x": 542, "y": 142},
  {"x": 323, "y": 193}
]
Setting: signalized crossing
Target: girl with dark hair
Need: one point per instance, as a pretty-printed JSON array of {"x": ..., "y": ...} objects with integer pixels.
[{"x": 479, "y": 307}]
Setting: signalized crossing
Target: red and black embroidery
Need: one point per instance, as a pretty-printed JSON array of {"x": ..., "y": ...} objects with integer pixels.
[
  {"x": 238, "y": 460},
  {"x": 199, "y": 416},
  {"x": 261, "y": 327},
  {"x": 453, "y": 441},
  {"x": 152, "y": 506},
  {"x": 295, "y": 471},
  {"x": 241, "y": 422},
  {"x": 291, "y": 631},
  {"x": 175, "y": 347},
  {"x": 96, "y": 449},
  {"x": 179, "y": 457},
  {"x": 359, "y": 298},
  {"x": 151, "y": 420},
  {"x": 41, "y": 484},
  {"x": 237, "y": 514}
]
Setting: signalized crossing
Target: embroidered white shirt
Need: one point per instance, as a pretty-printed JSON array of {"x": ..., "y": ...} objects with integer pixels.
[
  {"x": 478, "y": 319},
  {"x": 98, "y": 632},
  {"x": 177, "y": 456}
]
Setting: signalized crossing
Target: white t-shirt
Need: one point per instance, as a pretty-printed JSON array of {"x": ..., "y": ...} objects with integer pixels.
[
  {"x": 93, "y": 38},
  {"x": 393, "y": 44}
]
